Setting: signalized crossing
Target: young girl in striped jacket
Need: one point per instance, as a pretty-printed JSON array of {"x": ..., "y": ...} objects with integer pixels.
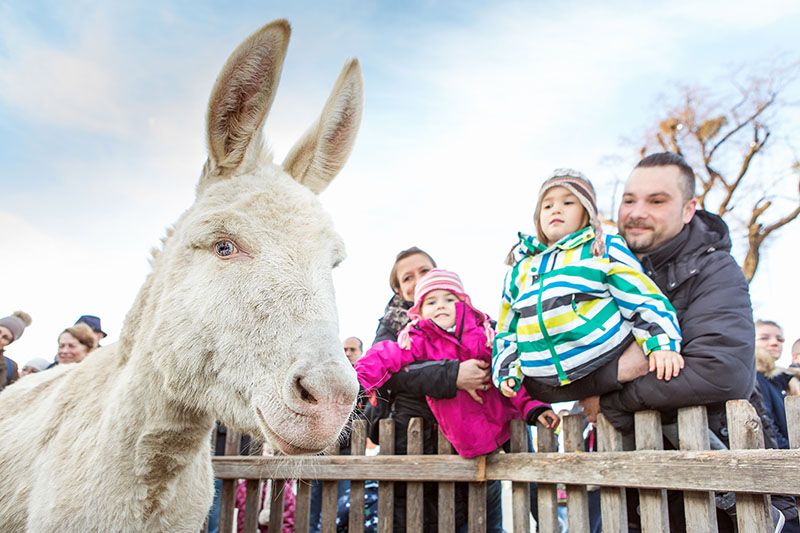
[{"x": 574, "y": 300}]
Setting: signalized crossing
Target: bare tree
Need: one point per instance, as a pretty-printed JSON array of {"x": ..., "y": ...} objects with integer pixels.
[{"x": 744, "y": 161}]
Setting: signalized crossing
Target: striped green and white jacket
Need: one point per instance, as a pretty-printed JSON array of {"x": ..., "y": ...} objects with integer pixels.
[{"x": 565, "y": 313}]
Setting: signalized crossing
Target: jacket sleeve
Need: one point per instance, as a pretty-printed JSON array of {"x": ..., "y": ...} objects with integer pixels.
[
  {"x": 528, "y": 408},
  {"x": 436, "y": 379},
  {"x": 505, "y": 357},
  {"x": 384, "y": 333},
  {"x": 640, "y": 301},
  {"x": 718, "y": 349},
  {"x": 379, "y": 363}
]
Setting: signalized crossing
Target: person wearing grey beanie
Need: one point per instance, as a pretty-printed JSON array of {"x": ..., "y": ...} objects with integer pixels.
[{"x": 11, "y": 329}]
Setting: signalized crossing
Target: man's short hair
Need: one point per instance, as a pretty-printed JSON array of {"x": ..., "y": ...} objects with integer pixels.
[
  {"x": 772, "y": 323},
  {"x": 665, "y": 159},
  {"x": 360, "y": 343}
]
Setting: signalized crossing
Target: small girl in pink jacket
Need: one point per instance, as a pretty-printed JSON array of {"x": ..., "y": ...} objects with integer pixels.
[{"x": 445, "y": 325}]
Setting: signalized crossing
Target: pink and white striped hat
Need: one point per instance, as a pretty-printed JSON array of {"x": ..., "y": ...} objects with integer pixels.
[{"x": 437, "y": 279}]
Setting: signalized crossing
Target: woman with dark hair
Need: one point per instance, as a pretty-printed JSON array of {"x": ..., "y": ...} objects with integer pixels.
[{"x": 403, "y": 396}]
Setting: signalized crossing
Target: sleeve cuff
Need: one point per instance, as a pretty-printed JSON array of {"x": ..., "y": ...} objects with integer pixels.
[{"x": 661, "y": 342}]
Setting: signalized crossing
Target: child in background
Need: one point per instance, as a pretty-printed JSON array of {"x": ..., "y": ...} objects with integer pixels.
[
  {"x": 574, "y": 300},
  {"x": 445, "y": 325}
]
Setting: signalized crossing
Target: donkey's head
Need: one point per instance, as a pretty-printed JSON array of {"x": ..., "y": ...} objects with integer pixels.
[{"x": 251, "y": 316}]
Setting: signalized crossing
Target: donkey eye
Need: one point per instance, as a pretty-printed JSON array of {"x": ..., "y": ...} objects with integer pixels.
[{"x": 225, "y": 248}]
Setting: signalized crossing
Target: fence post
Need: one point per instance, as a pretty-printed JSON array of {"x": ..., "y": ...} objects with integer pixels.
[
  {"x": 744, "y": 428},
  {"x": 577, "y": 497},
  {"x": 476, "y": 504},
  {"x": 252, "y": 500},
  {"x": 414, "y": 503},
  {"x": 228, "y": 495},
  {"x": 613, "y": 505},
  {"x": 277, "y": 486},
  {"x": 302, "y": 510},
  {"x": 386, "y": 489},
  {"x": 652, "y": 502},
  {"x": 330, "y": 496},
  {"x": 358, "y": 446},
  {"x": 447, "y": 491},
  {"x": 699, "y": 507},
  {"x": 520, "y": 492},
  {"x": 546, "y": 442},
  {"x": 792, "y": 404}
]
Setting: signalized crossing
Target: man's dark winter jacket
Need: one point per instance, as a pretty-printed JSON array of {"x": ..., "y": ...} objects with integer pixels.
[{"x": 710, "y": 294}]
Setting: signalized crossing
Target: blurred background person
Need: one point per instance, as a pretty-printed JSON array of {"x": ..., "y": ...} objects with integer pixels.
[
  {"x": 37, "y": 364},
  {"x": 353, "y": 349},
  {"x": 11, "y": 328},
  {"x": 75, "y": 343},
  {"x": 93, "y": 322}
]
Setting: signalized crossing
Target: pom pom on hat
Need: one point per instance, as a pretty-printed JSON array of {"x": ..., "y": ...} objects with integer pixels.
[{"x": 16, "y": 323}]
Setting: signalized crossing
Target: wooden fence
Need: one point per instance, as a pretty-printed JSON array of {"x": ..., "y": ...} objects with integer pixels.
[{"x": 747, "y": 469}]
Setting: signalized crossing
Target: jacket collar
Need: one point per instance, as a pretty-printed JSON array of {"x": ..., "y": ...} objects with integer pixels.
[{"x": 530, "y": 245}]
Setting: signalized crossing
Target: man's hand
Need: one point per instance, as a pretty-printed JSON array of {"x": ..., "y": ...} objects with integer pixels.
[
  {"x": 473, "y": 375},
  {"x": 549, "y": 419},
  {"x": 666, "y": 364},
  {"x": 591, "y": 408},
  {"x": 632, "y": 363},
  {"x": 507, "y": 388}
]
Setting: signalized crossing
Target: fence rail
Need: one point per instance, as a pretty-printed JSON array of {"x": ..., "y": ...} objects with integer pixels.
[{"x": 747, "y": 469}]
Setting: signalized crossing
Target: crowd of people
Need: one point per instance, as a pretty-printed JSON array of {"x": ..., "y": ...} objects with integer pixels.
[
  {"x": 655, "y": 315},
  {"x": 74, "y": 344}
]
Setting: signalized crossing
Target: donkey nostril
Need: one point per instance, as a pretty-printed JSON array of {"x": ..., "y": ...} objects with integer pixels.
[{"x": 305, "y": 395}]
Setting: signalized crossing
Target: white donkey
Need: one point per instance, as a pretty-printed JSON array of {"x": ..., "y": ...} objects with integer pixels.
[{"x": 237, "y": 322}]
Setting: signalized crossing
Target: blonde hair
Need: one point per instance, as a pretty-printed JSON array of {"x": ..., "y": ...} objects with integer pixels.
[{"x": 83, "y": 334}]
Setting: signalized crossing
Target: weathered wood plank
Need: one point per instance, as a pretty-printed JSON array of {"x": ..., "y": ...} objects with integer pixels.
[
  {"x": 792, "y": 404},
  {"x": 520, "y": 492},
  {"x": 758, "y": 471},
  {"x": 652, "y": 503},
  {"x": 228, "y": 495},
  {"x": 446, "y": 500},
  {"x": 699, "y": 507},
  {"x": 476, "y": 507},
  {"x": 252, "y": 505},
  {"x": 613, "y": 506},
  {"x": 302, "y": 509},
  {"x": 329, "y": 498},
  {"x": 414, "y": 488},
  {"x": 577, "y": 497},
  {"x": 385, "y": 488},
  {"x": 744, "y": 428},
  {"x": 547, "y": 497},
  {"x": 358, "y": 446},
  {"x": 277, "y": 486}
]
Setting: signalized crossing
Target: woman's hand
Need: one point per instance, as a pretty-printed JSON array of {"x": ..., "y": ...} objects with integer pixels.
[{"x": 473, "y": 375}]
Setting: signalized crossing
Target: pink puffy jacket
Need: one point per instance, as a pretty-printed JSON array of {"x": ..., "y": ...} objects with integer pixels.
[{"x": 473, "y": 429}]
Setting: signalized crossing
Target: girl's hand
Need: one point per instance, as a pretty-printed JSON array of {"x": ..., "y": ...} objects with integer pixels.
[
  {"x": 666, "y": 364},
  {"x": 507, "y": 388},
  {"x": 549, "y": 419}
]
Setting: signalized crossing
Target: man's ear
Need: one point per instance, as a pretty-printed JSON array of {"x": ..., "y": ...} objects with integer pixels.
[{"x": 689, "y": 210}]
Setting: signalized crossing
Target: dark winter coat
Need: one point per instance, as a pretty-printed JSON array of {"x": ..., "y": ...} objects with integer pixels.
[
  {"x": 9, "y": 373},
  {"x": 772, "y": 392},
  {"x": 710, "y": 294}
]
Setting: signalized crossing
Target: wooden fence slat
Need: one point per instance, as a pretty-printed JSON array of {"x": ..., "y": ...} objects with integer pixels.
[
  {"x": 277, "y": 486},
  {"x": 745, "y": 432},
  {"x": 447, "y": 491},
  {"x": 251, "y": 505},
  {"x": 330, "y": 497},
  {"x": 302, "y": 509},
  {"x": 613, "y": 504},
  {"x": 414, "y": 504},
  {"x": 652, "y": 502},
  {"x": 476, "y": 507},
  {"x": 358, "y": 446},
  {"x": 792, "y": 404},
  {"x": 547, "y": 496},
  {"x": 699, "y": 507},
  {"x": 228, "y": 496},
  {"x": 577, "y": 496},
  {"x": 520, "y": 492},
  {"x": 386, "y": 488}
]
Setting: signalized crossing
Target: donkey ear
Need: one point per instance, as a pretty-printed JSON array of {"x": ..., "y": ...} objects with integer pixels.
[
  {"x": 322, "y": 151},
  {"x": 242, "y": 97}
]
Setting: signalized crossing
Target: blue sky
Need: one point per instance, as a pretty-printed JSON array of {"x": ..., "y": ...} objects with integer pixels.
[{"x": 102, "y": 114}]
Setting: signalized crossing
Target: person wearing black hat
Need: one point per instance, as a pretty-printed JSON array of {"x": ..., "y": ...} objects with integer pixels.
[{"x": 94, "y": 323}]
